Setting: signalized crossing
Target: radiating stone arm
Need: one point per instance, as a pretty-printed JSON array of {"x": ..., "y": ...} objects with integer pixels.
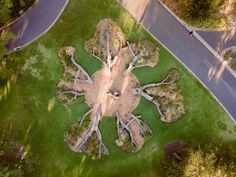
[
  {"x": 139, "y": 91},
  {"x": 80, "y": 68},
  {"x": 94, "y": 129},
  {"x": 74, "y": 93},
  {"x": 134, "y": 59},
  {"x": 131, "y": 49},
  {"x": 84, "y": 116},
  {"x": 125, "y": 127},
  {"x": 140, "y": 122},
  {"x": 158, "y": 108},
  {"x": 163, "y": 82},
  {"x": 108, "y": 51}
]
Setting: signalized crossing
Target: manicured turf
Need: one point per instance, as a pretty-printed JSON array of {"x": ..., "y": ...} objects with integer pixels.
[{"x": 40, "y": 121}]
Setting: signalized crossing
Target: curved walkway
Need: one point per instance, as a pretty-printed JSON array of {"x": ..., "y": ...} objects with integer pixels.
[
  {"x": 37, "y": 21},
  {"x": 190, "y": 51}
]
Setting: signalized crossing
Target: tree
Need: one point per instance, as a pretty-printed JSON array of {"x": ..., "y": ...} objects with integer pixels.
[
  {"x": 8, "y": 67},
  {"x": 204, "y": 161},
  {"x": 5, "y": 11},
  {"x": 5, "y": 36},
  {"x": 11, "y": 9},
  {"x": 15, "y": 160},
  {"x": 197, "y": 8}
]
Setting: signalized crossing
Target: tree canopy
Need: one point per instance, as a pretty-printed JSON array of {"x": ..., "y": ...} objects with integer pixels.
[
  {"x": 15, "y": 159},
  {"x": 208, "y": 160},
  {"x": 10, "y": 9},
  {"x": 5, "y": 10}
]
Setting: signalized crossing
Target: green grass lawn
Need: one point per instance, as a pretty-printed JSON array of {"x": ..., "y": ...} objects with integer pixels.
[{"x": 40, "y": 121}]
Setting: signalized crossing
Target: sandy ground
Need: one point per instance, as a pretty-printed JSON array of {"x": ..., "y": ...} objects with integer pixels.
[{"x": 105, "y": 82}]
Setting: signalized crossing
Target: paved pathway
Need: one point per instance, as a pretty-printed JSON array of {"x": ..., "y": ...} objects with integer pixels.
[
  {"x": 38, "y": 20},
  {"x": 189, "y": 50},
  {"x": 219, "y": 40}
]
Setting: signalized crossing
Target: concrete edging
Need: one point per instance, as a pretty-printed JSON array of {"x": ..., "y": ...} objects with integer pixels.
[
  {"x": 26, "y": 44},
  {"x": 18, "y": 18},
  {"x": 219, "y": 57},
  {"x": 181, "y": 62},
  {"x": 213, "y": 30}
]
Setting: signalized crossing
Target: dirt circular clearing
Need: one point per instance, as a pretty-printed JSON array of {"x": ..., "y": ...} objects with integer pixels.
[
  {"x": 112, "y": 90},
  {"x": 100, "y": 93}
]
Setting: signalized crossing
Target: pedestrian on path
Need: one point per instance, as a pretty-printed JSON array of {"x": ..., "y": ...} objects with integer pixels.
[{"x": 190, "y": 33}]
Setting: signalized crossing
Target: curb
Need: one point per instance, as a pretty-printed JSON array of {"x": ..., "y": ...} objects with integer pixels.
[
  {"x": 197, "y": 36},
  {"x": 26, "y": 44},
  {"x": 213, "y": 30},
  {"x": 18, "y": 18},
  {"x": 234, "y": 121},
  {"x": 188, "y": 27}
]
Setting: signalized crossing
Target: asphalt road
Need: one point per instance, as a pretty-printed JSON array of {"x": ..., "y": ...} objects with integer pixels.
[
  {"x": 219, "y": 40},
  {"x": 189, "y": 50},
  {"x": 36, "y": 22}
]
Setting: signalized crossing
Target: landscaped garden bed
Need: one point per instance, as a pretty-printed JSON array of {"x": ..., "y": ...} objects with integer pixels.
[{"x": 115, "y": 91}]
